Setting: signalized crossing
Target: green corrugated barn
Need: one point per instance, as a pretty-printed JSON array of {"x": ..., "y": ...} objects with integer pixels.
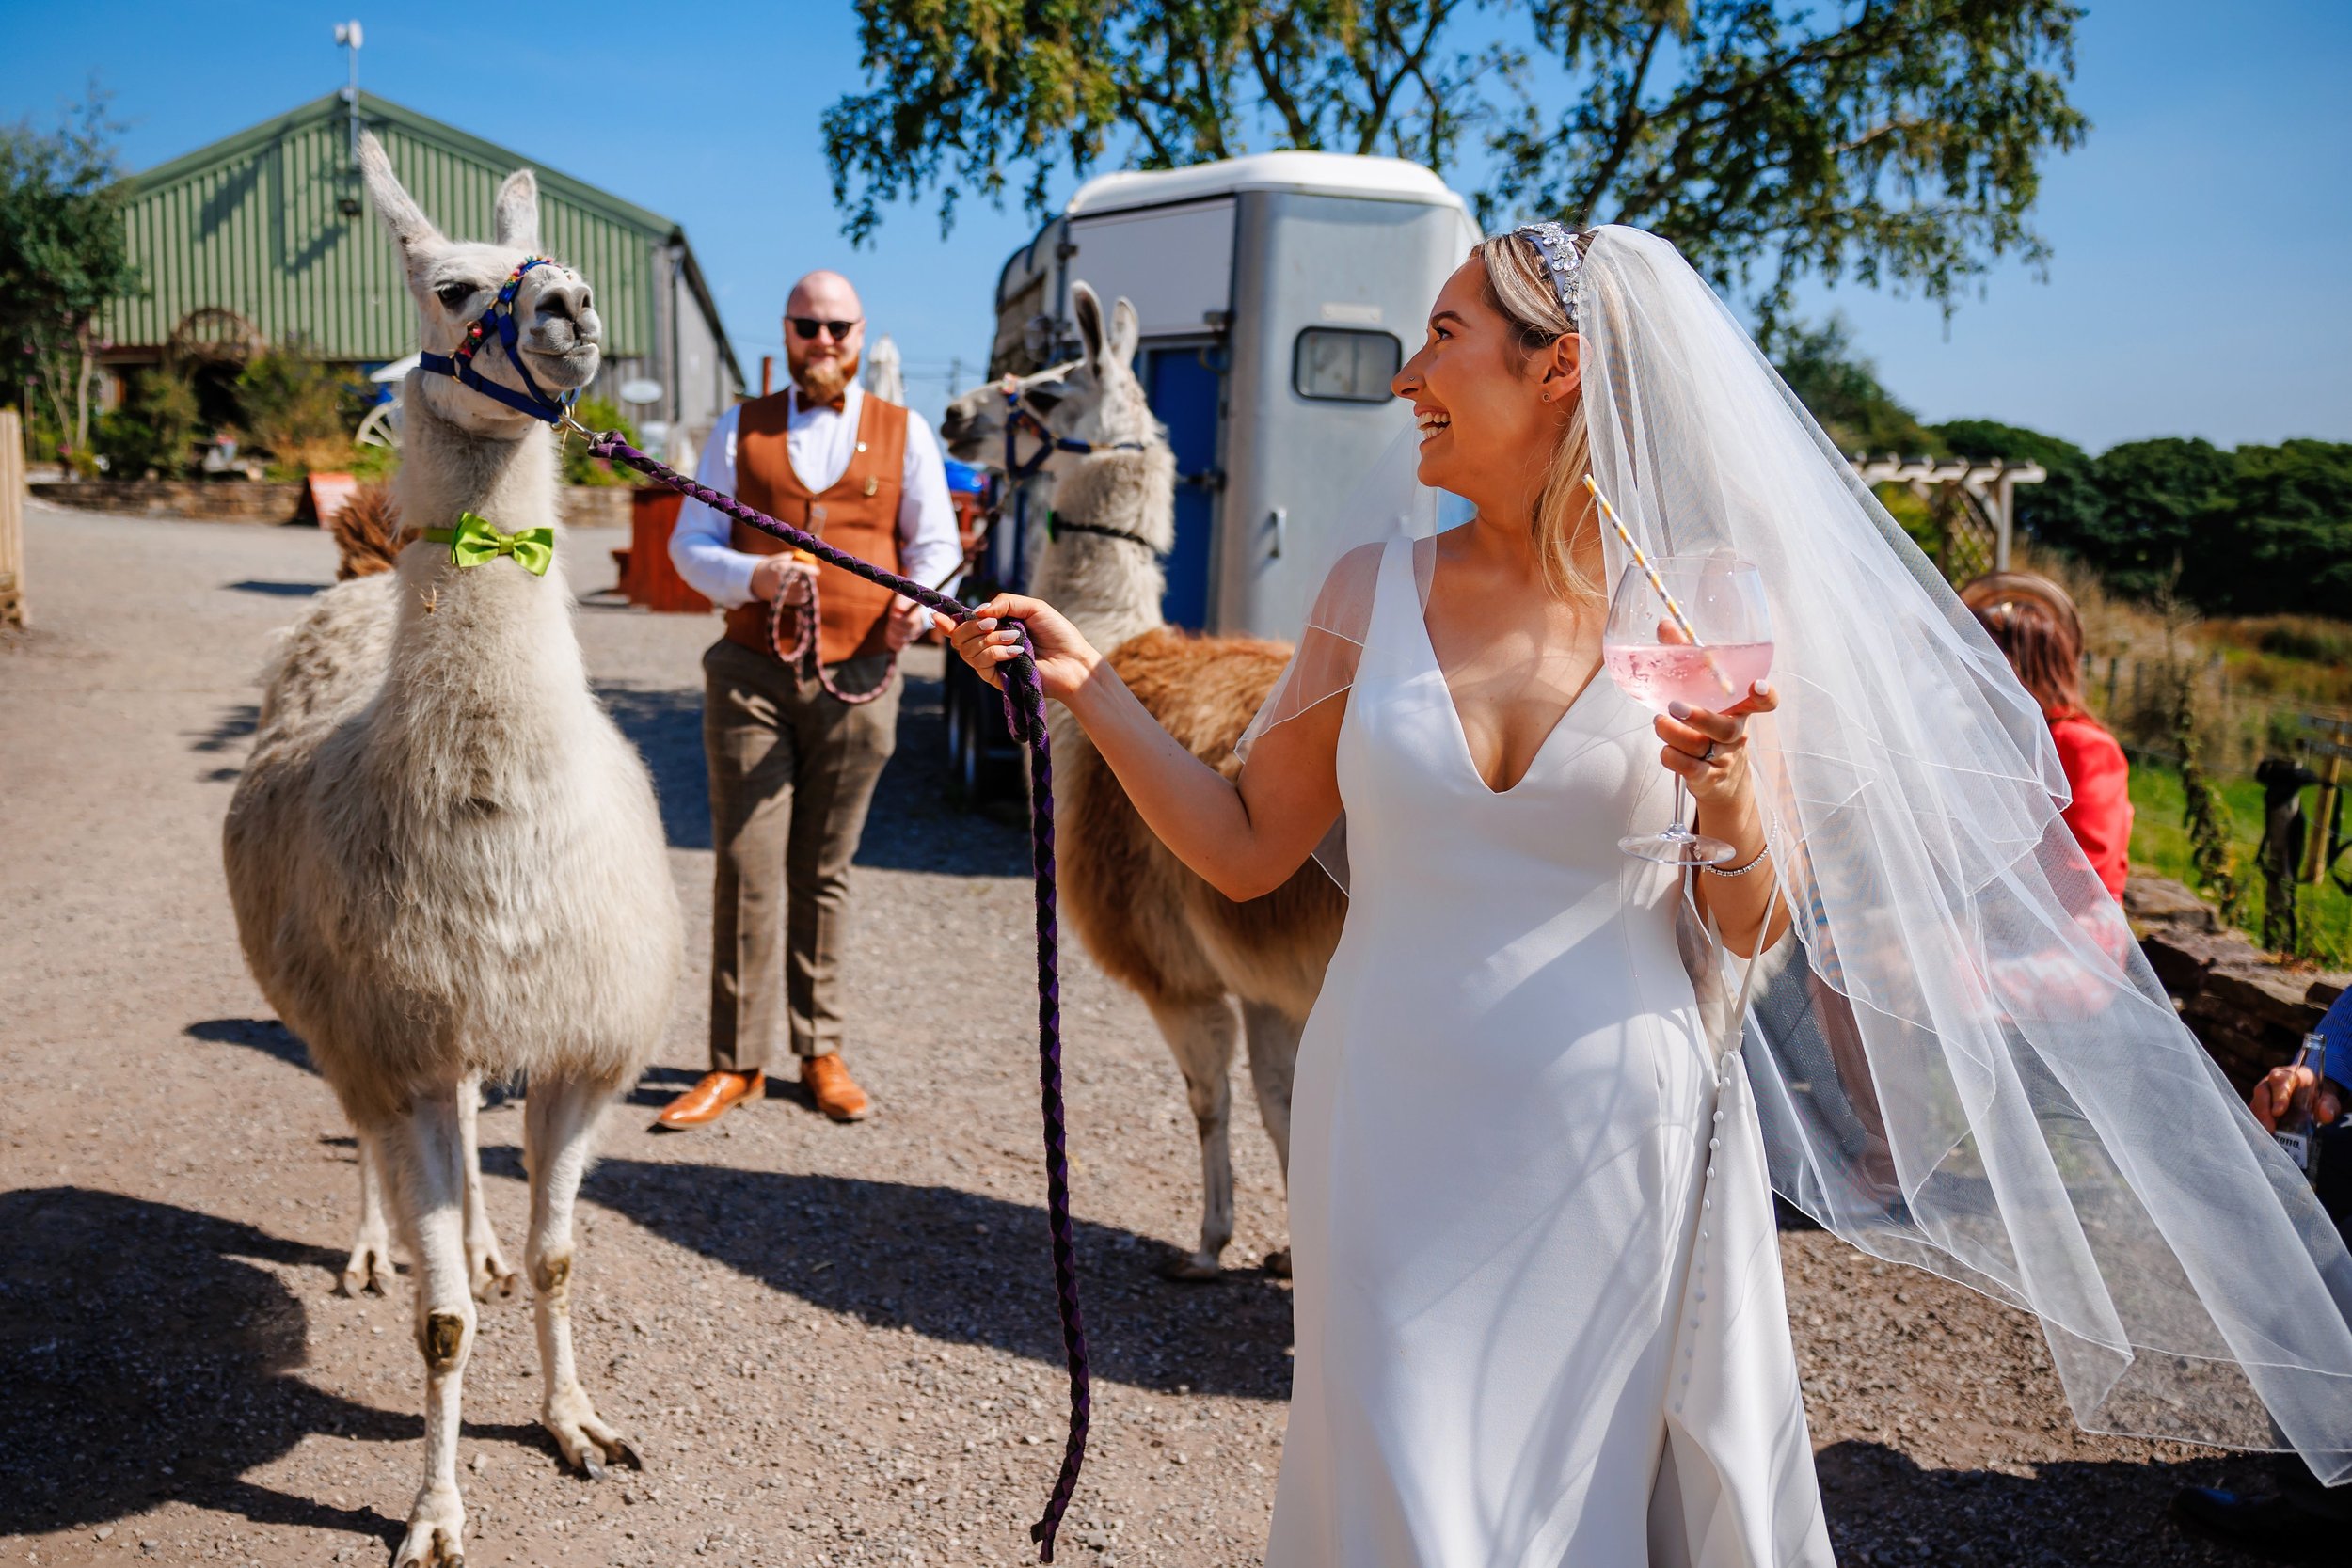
[{"x": 268, "y": 236}]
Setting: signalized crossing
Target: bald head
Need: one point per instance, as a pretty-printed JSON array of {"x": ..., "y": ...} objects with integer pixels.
[
  {"x": 822, "y": 362},
  {"x": 826, "y": 296}
]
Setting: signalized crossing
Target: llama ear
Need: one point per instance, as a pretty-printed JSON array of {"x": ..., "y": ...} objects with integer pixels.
[
  {"x": 517, "y": 222},
  {"x": 410, "y": 229},
  {"x": 1126, "y": 329},
  {"x": 1087, "y": 306}
]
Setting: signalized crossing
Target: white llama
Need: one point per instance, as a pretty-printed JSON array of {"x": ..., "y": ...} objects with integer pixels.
[
  {"x": 1188, "y": 951},
  {"x": 445, "y": 859}
]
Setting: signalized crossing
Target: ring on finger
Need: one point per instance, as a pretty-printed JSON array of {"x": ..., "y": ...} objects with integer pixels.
[{"x": 1712, "y": 748}]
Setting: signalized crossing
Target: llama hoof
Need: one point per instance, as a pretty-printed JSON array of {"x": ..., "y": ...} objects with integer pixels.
[
  {"x": 369, "y": 1272},
  {"x": 1191, "y": 1268},
  {"x": 494, "y": 1281},
  {"x": 587, "y": 1444},
  {"x": 437, "y": 1533},
  {"x": 1278, "y": 1263}
]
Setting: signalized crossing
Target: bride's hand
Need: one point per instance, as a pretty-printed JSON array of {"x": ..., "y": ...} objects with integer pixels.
[
  {"x": 1064, "y": 658},
  {"x": 1710, "y": 750}
]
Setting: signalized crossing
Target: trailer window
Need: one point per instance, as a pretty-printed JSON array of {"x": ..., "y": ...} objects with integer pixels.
[{"x": 1345, "y": 364}]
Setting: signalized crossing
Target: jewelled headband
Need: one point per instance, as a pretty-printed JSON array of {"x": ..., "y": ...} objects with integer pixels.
[{"x": 1562, "y": 259}]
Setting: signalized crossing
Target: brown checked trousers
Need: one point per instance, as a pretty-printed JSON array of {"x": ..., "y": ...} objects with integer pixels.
[{"x": 792, "y": 772}]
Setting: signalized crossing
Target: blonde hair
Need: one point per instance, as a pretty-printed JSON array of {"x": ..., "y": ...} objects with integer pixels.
[{"x": 1519, "y": 289}]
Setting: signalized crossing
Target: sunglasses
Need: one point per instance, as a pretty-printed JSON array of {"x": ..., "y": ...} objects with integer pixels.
[{"x": 806, "y": 328}]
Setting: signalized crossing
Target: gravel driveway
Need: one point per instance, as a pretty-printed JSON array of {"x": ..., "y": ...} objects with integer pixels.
[{"x": 835, "y": 1344}]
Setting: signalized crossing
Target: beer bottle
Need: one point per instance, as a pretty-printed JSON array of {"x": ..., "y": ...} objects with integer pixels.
[{"x": 2298, "y": 1125}]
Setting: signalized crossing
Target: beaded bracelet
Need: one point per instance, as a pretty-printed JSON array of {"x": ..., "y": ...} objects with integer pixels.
[{"x": 1743, "y": 870}]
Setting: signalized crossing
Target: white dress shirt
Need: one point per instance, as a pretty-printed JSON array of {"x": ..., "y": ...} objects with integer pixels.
[{"x": 820, "y": 443}]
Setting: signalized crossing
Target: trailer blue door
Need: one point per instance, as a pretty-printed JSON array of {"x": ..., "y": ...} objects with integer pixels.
[{"x": 1183, "y": 393}]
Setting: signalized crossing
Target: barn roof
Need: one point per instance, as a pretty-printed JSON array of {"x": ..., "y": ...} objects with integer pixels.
[{"x": 255, "y": 223}]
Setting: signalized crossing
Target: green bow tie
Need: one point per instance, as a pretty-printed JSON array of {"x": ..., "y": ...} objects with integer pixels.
[{"x": 474, "y": 542}]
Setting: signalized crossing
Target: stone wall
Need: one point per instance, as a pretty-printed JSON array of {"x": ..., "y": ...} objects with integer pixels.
[
  {"x": 223, "y": 500},
  {"x": 2250, "y": 1009},
  {"x": 596, "y": 506}
]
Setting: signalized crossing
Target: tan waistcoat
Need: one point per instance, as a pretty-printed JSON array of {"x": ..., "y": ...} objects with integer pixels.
[{"x": 858, "y": 513}]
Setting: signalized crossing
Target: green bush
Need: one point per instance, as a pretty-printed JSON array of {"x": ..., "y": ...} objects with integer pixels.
[
  {"x": 599, "y": 414},
  {"x": 2305, "y": 637},
  {"x": 151, "y": 431},
  {"x": 2062, "y": 509},
  {"x": 2261, "y": 530},
  {"x": 373, "y": 464},
  {"x": 299, "y": 409}
]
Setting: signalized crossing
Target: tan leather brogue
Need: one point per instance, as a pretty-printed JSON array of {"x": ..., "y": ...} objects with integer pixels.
[
  {"x": 710, "y": 1100},
  {"x": 836, "y": 1093}
]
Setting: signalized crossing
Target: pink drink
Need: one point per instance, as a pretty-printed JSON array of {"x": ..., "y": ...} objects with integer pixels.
[{"x": 1655, "y": 673}]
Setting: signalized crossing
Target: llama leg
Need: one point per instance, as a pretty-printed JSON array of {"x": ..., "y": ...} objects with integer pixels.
[
  {"x": 1201, "y": 1034},
  {"x": 370, "y": 1269},
  {"x": 1273, "y": 1037},
  {"x": 485, "y": 1266},
  {"x": 424, "y": 1161},
  {"x": 559, "y": 1125}
]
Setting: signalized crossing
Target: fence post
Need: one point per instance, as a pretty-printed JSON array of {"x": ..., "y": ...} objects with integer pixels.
[
  {"x": 2338, "y": 731},
  {"x": 11, "y": 517}
]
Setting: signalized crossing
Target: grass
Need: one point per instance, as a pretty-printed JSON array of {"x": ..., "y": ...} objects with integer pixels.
[{"x": 2160, "y": 844}]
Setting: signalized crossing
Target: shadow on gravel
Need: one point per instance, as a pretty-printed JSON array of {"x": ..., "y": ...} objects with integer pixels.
[
  {"x": 146, "y": 1360},
  {"x": 658, "y": 1085},
  {"x": 234, "y": 724},
  {"x": 666, "y": 724},
  {"x": 1884, "y": 1509},
  {"x": 912, "y": 827},
  {"x": 959, "y": 1267},
  {"x": 264, "y": 1035}
]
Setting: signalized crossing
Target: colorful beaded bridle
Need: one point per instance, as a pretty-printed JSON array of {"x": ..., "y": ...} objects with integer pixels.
[{"x": 499, "y": 318}]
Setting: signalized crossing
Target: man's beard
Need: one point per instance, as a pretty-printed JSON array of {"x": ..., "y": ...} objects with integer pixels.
[{"x": 821, "y": 381}]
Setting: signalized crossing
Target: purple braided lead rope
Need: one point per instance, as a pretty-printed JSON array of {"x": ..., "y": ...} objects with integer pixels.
[{"x": 1025, "y": 710}]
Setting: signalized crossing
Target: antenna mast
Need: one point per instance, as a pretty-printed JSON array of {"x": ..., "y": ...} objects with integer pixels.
[{"x": 348, "y": 36}]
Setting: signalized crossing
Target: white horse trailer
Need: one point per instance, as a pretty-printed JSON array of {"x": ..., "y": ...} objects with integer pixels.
[{"x": 1278, "y": 293}]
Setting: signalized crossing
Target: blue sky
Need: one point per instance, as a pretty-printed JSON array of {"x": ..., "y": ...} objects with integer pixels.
[{"x": 2199, "y": 287}]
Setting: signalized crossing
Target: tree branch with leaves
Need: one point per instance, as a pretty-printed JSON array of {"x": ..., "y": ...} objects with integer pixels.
[
  {"x": 1897, "y": 142},
  {"x": 62, "y": 257}
]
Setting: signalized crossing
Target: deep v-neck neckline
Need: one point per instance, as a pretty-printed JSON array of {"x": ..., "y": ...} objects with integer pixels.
[{"x": 1461, "y": 731}]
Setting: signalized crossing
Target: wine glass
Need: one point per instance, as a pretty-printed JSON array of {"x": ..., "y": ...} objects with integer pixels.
[{"x": 1691, "y": 629}]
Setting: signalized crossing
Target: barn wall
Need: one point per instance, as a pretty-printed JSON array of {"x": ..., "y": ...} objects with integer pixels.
[{"x": 252, "y": 223}]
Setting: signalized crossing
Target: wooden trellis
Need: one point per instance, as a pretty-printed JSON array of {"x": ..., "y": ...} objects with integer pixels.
[{"x": 1973, "y": 502}]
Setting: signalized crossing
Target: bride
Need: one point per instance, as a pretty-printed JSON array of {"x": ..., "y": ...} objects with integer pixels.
[{"x": 1539, "y": 1312}]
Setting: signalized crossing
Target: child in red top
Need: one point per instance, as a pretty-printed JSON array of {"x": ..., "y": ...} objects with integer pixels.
[{"x": 2033, "y": 623}]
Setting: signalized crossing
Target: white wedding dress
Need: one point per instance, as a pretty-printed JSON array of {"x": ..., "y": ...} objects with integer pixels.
[{"x": 1539, "y": 1312}]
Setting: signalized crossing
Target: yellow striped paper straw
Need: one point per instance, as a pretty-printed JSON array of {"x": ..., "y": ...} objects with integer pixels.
[{"x": 1625, "y": 536}]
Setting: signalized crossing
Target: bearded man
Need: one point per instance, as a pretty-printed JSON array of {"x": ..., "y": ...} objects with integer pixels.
[{"x": 800, "y": 699}]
